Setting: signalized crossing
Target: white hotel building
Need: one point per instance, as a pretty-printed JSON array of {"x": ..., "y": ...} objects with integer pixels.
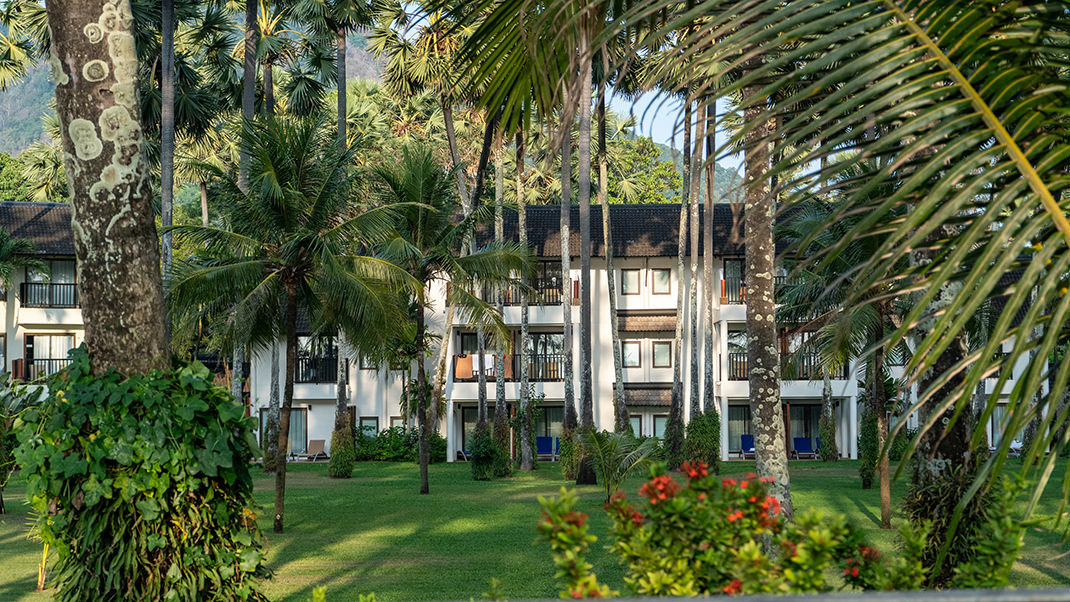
[{"x": 43, "y": 321}]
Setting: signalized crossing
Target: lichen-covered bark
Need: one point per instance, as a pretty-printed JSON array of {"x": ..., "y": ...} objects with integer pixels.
[
  {"x": 501, "y": 419},
  {"x": 763, "y": 355},
  {"x": 620, "y": 408},
  {"x": 527, "y": 455},
  {"x": 709, "y": 403},
  {"x": 271, "y": 435},
  {"x": 583, "y": 149},
  {"x": 95, "y": 68},
  {"x": 570, "y": 419},
  {"x": 674, "y": 430},
  {"x": 341, "y": 400},
  {"x": 692, "y": 312}
]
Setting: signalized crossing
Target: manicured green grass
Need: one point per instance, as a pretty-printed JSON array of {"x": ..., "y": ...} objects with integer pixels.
[{"x": 373, "y": 533}]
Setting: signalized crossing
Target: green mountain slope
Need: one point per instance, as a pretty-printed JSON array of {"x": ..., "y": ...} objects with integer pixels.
[
  {"x": 21, "y": 108},
  {"x": 727, "y": 182}
]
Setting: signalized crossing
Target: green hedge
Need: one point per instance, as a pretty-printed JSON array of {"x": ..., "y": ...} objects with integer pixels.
[
  {"x": 142, "y": 485},
  {"x": 703, "y": 441},
  {"x": 396, "y": 444},
  {"x": 487, "y": 459}
]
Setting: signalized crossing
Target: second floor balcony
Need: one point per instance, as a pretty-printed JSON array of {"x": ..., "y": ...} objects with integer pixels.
[
  {"x": 547, "y": 292},
  {"x": 317, "y": 369},
  {"x": 49, "y": 295},
  {"x": 541, "y": 367},
  {"x": 804, "y": 367}
]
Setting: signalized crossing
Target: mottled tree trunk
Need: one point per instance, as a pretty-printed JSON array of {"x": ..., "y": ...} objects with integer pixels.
[
  {"x": 248, "y": 96},
  {"x": 763, "y": 355},
  {"x": 709, "y": 400},
  {"x": 95, "y": 71},
  {"x": 501, "y": 416},
  {"x": 880, "y": 406},
  {"x": 481, "y": 382},
  {"x": 167, "y": 135},
  {"x": 620, "y": 408},
  {"x": 340, "y": 84},
  {"x": 271, "y": 436},
  {"x": 269, "y": 88},
  {"x": 695, "y": 405},
  {"x": 527, "y": 455},
  {"x": 287, "y": 404},
  {"x": 674, "y": 430},
  {"x": 421, "y": 402},
  {"x": 583, "y": 183},
  {"x": 204, "y": 203},
  {"x": 341, "y": 398},
  {"x": 570, "y": 419}
]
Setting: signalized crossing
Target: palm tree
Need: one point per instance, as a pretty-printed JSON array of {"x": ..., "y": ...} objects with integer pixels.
[
  {"x": 292, "y": 236},
  {"x": 427, "y": 243},
  {"x": 16, "y": 253},
  {"x": 24, "y": 39}
]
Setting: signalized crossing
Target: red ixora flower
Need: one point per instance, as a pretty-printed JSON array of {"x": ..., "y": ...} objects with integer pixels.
[
  {"x": 659, "y": 488},
  {"x": 733, "y": 587},
  {"x": 696, "y": 470}
]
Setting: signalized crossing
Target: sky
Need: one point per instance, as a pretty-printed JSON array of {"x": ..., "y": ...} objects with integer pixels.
[{"x": 659, "y": 118}]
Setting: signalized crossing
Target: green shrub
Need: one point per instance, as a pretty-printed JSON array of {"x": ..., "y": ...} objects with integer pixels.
[
  {"x": 899, "y": 445},
  {"x": 703, "y": 442},
  {"x": 867, "y": 447},
  {"x": 487, "y": 459},
  {"x": 615, "y": 456},
  {"x": 829, "y": 452},
  {"x": 142, "y": 486},
  {"x": 396, "y": 444},
  {"x": 343, "y": 454},
  {"x": 570, "y": 455}
]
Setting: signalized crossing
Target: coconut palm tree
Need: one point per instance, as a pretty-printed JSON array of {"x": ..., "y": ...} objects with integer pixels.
[
  {"x": 427, "y": 242},
  {"x": 16, "y": 253},
  {"x": 292, "y": 236}
]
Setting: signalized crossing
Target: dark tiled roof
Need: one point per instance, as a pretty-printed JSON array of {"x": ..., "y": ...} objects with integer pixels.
[
  {"x": 638, "y": 230},
  {"x": 646, "y": 321},
  {"x": 48, "y": 225},
  {"x": 644, "y": 394}
]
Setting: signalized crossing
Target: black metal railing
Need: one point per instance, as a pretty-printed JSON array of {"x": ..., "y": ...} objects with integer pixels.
[
  {"x": 45, "y": 294},
  {"x": 41, "y": 367},
  {"x": 547, "y": 291},
  {"x": 541, "y": 367},
  {"x": 733, "y": 290},
  {"x": 737, "y": 366},
  {"x": 317, "y": 370},
  {"x": 805, "y": 367}
]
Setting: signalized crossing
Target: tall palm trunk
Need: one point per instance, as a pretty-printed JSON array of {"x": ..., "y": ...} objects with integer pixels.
[
  {"x": 527, "y": 455},
  {"x": 167, "y": 133},
  {"x": 340, "y": 83},
  {"x": 271, "y": 437},
  {"x": 763, "y": 356},
  {"x": 674, "y": 431},
  {"x": 583, "y": 182},
  {"x": 341, "y": 399},
  {"x": 269, "y": 88},
  {"x": 421, "y": 401},
  {"x": 880, "y": 407},
  {"x": 695, "y": 405},
  {"x": 620, "y": 408},
  {"x": 481, "y": 382},
  {"x": 204, "y": 203},
  {"x": 501, "y": 417},
  {"x": 112, "y": 216},
  {"x": 709, "y": 400},
  {"x": 248, "y": 96},
  {"x": 287, "y": 404},
  {"x": 570, "y": 419}
]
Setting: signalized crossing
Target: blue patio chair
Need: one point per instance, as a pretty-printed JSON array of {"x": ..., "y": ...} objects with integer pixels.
[
  {"x": 557, "y": 448},
  {"x": 802, "y": 447},
  {"x": 544, "y": 448},
  {"x": 746, "y": 446}
]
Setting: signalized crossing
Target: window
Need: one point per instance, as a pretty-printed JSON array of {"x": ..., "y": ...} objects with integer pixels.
[
  {"x": 738, "y": 425},
  {"x": 548, "y": 422},
  {"x": 397, "y": 422},
  {"x": 630, "y": 354},
  {"x": 660, "y": 423},
  {"x": 546, "y": 343},
  {"x": 662, "y": 281},
  {"x": 317, "y": 360},
  {"x": 637, "y": 425},
  {"x": 369, "y": 425},
  {"x": 56, "y": 288},
  {"x": 805, "y": 421},
  {"x": 298, "y": 437},
  {"x": 47, "y": 354},
  {"x": 662, "y": 354},
  {"x": 629, "y": 282}
]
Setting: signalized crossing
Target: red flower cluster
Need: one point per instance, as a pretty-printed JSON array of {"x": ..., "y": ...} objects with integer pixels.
[
  {"x": 585, "y": 592},
  {"x": 733, "y": 588},
  {"x": 734, "y": 516},
  {"x": 695, "y": 471},
  {"x": 659, "y": 488},
  {"x": 624, "y": 510}
]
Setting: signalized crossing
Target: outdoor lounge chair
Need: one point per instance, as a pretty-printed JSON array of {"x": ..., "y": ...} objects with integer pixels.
[
  {"x": 315, "y": 451},
  {"x": 802, "y": 447},
  {"x": 746, "y": 447}
]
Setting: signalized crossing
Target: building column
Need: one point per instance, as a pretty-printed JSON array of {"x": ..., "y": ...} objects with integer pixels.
[{"x": 852, "y": 427}]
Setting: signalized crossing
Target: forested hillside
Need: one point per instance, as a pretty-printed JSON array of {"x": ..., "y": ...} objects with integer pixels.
[{"x": 21, "y": 108}]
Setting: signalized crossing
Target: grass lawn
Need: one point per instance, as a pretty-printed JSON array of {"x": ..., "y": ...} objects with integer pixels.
[{"x": 373, "y": 533}]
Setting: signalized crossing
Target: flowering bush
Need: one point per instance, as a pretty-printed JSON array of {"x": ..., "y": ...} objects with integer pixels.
[{"x": 712, "y": 536}]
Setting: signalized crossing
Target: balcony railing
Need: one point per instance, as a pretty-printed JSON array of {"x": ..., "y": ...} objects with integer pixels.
[
  {"x": 317, "y": 370},
  {"x": 806, "y": 367},
  {"x": 41, "y": 367},
  {"x": 733, "y": 290},
  {"x": 547, "y": 292},
  {"x": 45, "y": 294},
  {"x": 541, "y": 367}
]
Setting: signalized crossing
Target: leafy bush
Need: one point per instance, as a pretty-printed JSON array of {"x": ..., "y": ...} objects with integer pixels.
[
  {"x": 706, "y": 537},
  {"x": 868, "y": 449},
  {"x": 899, "y": 445},
  {"x": 570, "y": 455},
  {"x": 829, "y": 451},
  {"x": 343, "y": 454},
  {"x": 142, "y": 485},
  {"x": 396, "y": 444},
  {"x": 14, "y": 398},
  {"x": 615, "y": 456},
  {"x": 488, "y": 460},
  {"x": 703, "y": 442}
]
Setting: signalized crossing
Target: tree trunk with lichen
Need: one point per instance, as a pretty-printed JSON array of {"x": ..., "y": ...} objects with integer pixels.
[
  {"x": 674, "y": 431},
  {"x": 621, "y": 422},
  {"x": 94, "y": 67},
  {"x": 695, "y": 405},
  {"x": 763, "y": 354},
  {"x": 527, "y": 454},
  {"x": 570, "y": 420}
]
